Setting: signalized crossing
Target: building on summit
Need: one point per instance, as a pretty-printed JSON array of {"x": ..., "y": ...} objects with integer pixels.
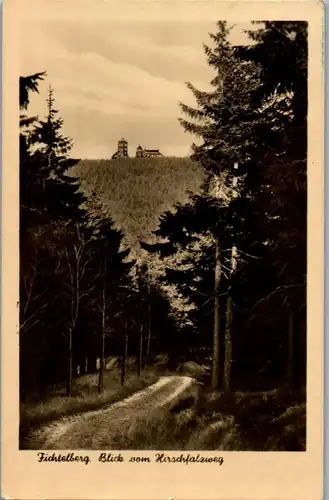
[
  {"x": 122, "y": 151},
  {"x": 146, "y": 153}
]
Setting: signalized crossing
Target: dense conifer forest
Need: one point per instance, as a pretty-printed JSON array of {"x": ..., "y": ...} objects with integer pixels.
[{"x": 136, "y": 191}]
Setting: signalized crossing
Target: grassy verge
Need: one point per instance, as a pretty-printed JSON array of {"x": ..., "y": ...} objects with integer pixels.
[
  {"x": 263, "y": 421},
  {"x": 85, "y": 398}
]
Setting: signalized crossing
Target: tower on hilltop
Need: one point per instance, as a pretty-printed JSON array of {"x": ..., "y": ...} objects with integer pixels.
[{"x": 122, "y": 151}]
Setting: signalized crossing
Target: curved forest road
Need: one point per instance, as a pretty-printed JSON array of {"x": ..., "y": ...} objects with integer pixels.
[{"x": 117, "y": 426}]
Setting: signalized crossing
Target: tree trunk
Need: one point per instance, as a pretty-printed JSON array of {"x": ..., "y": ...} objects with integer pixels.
[
  {"x": 140, "y": 354},
  {"x": 216, "y": 352},
  {"x": 102, "y": 356},
  {"x": 125, "y": 354},
  {"x": 291, "y": 350},
  {"x": 148, "y": 326},
  {"x": 70, "y": 365},
  {"x": 228, "y": 345}
]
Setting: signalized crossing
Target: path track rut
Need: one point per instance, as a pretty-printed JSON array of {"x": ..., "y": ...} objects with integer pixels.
[{"x": 99, "y": 429}]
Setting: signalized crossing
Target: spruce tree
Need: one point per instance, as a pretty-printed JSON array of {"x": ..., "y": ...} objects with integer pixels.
[
  {"x": 29, "y": 84},
  {"x": 280, "y": 48},
  {"x": 59, "y": 195},
  {"x": 225, "y": 118},
  {"x": 226, "y": 121}
]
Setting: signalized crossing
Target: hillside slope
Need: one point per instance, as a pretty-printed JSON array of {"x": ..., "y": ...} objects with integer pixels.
[{"x": 137, "y": 191}]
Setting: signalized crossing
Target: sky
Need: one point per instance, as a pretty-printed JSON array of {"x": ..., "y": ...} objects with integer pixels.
[{"x": 120, "y": 79}]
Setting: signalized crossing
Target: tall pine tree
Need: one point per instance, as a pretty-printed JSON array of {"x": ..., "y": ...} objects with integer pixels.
[{"x": 226, "y": 121}]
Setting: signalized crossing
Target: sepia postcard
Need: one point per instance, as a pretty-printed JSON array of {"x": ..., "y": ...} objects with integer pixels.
[{"x": 163, "y": 250}]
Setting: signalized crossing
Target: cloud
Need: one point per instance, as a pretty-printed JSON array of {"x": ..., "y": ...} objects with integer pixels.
[
  {"x": 91, "y": 82},
  {"x": 114, "y": 79}
]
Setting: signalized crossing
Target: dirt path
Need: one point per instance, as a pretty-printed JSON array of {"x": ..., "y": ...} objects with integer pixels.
[{"x": 105, "y": 428}]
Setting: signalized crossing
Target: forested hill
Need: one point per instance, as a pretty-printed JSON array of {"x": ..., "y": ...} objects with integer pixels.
[{"x": 138, "y": 190}]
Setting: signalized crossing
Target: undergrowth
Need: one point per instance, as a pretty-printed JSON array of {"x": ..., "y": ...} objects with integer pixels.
[{"x": 267, "y": 421}]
